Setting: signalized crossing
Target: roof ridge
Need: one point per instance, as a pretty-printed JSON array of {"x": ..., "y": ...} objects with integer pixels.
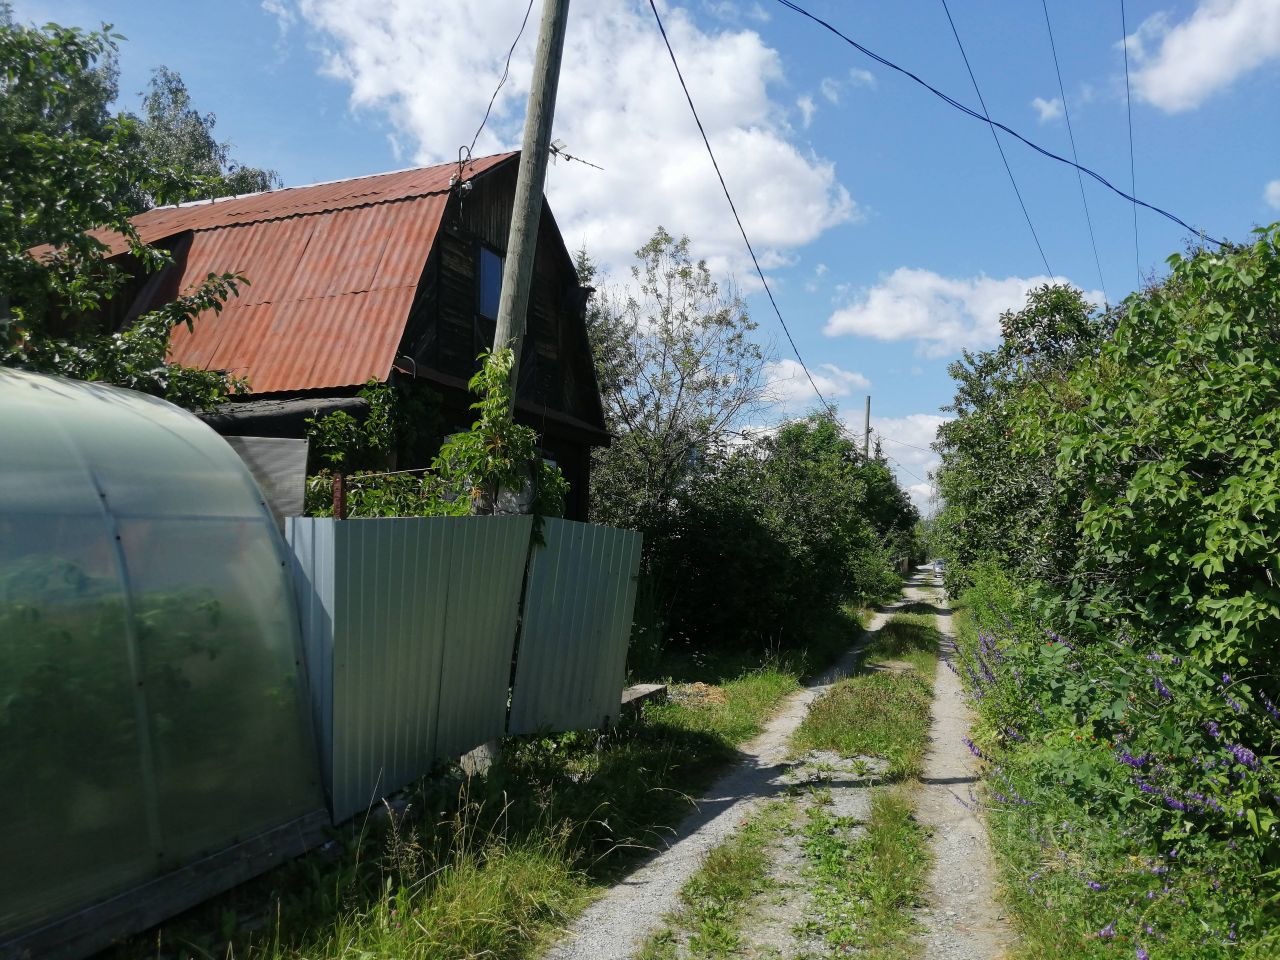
[
  {"x": 278, "y": 217},
  {"x": 210, "y": 201}
]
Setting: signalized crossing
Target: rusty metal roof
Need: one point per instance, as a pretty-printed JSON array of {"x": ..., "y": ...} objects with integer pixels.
[{"x": 332, "y": 272}]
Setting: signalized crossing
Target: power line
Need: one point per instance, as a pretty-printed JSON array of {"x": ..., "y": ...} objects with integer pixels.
[
  {"x": 506, "y": 70},
  {"x": 903, "y": 468},
  {"x": 1075, "y": 157},
  {"x": 901, "y": 442},
  {"x": 996, "y": 137},
  {"x": 741, "y": 229},
  {"x": 1128, "y": 105},
  {"x": 732, "y": 206},
  {"x": 951, "y": 101}
]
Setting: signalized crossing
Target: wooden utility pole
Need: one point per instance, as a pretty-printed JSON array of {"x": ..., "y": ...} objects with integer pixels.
[
  {"x": 522, "y": 241},
  {"x": 866, "y": 431}
]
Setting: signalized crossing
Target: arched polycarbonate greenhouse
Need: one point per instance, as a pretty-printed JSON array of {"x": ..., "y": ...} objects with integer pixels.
[{"x": 155, "y": 738}]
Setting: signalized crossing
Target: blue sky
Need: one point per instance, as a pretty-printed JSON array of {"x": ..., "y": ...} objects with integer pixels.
[{"x": 888, "y": 226}]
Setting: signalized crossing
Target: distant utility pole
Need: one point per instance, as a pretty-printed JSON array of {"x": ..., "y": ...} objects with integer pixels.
[
  {"x": 866, "y": 431},
  {"x": 522, "y": 241}
]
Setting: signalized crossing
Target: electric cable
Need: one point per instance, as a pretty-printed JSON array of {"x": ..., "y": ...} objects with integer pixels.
[
  {"x": 996, "y": 137},
  {"x": 1075, "y": 156},
  {"x": 903, "y": 443},
  {"x": 831, "y": 410},
  {"x": 732, "y": 206},
  {"x": 506, "y": 70},
  {"x": 951, "y": 101},
  {"x": 1128, "y": 106}
]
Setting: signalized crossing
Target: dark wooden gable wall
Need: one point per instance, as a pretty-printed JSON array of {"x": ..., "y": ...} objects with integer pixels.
[{"x": 446, "y": 331}]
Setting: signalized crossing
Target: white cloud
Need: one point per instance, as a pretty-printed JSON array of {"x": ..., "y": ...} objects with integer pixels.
[
  {"x": 789, "y": 388},
  {"x": 1047, "y": 109},
  {"x": 862, "y": 78},
  {"x": 1180, "y": 65},
  {"x": 807, "y": 109},
  {"x": 830, "y": 89},
  {"x": 942, "y": 314},
  {"x": 284, "y": 14},
  {"x": 430, "y": 69},
  {"x": 734, "y": 12},
  {"x": 1272, "y": 194},
  {"x": 820, "y": 270}
]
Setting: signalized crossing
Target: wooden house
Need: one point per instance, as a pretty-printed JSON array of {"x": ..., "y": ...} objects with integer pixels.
[{"x": 377, "y": 278}]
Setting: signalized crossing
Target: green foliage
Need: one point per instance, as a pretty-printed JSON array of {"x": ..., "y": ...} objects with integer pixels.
[
  {"x": 1124, "y": 469},
  {"x": 678, "y": 372},
  {"x": 998, "y": 454},
  {"x": 1127, "y": 784},
  {"x": 68, "y": 168},
  {"x": 778, "y": 533},
  {"x": 172, "y": 134},
  {"x": 484, "y": 470},
  {"x": 135, "y": 356}
]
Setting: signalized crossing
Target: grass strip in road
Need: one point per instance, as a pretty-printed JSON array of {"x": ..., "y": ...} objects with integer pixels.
[
  {"x": 866, "y": 878},
  {"x": 884, "y": 710},
  {"x": 714, "y": 900},
  {"x": 865, "y": 881}
]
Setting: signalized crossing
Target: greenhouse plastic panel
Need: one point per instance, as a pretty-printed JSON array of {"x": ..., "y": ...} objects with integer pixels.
[
  {"x": 150, "y": 659},
  {"x": 409, "y": 626},
  {"x": 577, "y": 621}
]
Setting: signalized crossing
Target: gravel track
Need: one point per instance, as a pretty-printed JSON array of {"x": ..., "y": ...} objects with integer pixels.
[
  {"x": 963, "y": 919},
  {"x": 617, "y": 925}
]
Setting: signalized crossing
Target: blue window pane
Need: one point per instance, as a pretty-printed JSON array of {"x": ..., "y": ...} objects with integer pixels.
[{"x": 490, "y": 282}]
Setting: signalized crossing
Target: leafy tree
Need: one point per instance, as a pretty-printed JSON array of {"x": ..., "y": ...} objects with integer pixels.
[
  {"x": 778, "y": 532},
  {"x": 66, "y": 172},
  {"x": 998, "y": 458},
  {"x": 172, "y": 133},
  {"x": 1171, "y": 450},
  {"x": 679, "y": 372}
]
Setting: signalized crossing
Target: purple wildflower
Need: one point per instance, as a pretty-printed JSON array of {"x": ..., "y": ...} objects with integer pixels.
[
  {"x": 1144, "y": 786},
  {"x": 1095, "y": 885},
  {"x": 973, "y": 748},
  {"x": 1154, "y": 657},
  {"x": 1137, "y": 763},
  {"x": 1213, "y": 729},
  {"x": 1175, "y": 804},
  {"x": 1142, "y": 954},
  {"x": 1244, "y": 755},
  {"x": 1226, "y": 678},
  {"x": 1162, "y": 689},
  {"x": 1234, "y": 705},
  {"x": 1108, "y": 931},
  {"x": 1271, "y": 707}
]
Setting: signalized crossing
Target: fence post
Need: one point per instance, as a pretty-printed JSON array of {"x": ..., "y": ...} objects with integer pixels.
[{"x": 339, "y": 497}]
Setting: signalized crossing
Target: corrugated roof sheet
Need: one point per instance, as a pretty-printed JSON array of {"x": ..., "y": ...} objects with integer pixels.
[{"x": 332, "y": 272}]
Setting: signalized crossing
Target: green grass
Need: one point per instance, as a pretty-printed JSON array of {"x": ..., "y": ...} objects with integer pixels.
[
  {"x": 866, "y": 881},
  {"x": 494, "y": 866},
  {"x": 715, "y": 898},
  {"x": 747, "y": 702},
  {"x": 881, "y": 712}
]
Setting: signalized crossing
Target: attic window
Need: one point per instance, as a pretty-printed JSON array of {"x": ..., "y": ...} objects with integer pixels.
[{"x": 490, "y": 282}]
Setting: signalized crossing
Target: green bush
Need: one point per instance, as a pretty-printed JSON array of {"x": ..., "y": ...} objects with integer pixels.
[{"x": 776, "y": 535}]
